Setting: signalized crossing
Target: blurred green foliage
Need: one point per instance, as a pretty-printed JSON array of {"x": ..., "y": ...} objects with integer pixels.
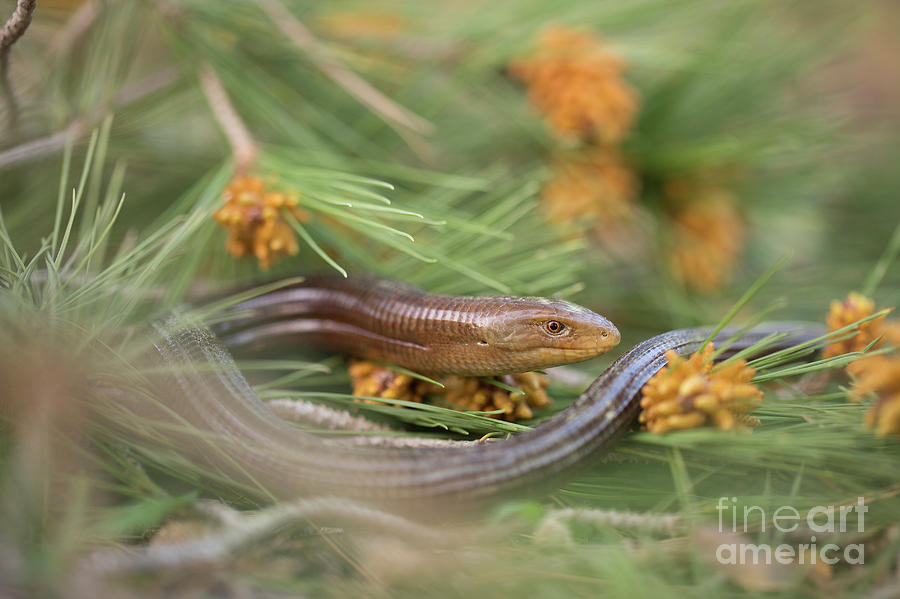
[{"x": 788, "y": 106}]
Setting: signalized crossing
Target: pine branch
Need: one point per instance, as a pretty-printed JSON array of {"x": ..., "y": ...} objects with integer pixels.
[
  {"x": 400, "y": 119},
  {"x": 41, "y": 147},
  {"x": 243, "y": 529},
  {"x": 242, "y": 144},
  {"x": 14, "y": 28},
  {"x": 80, "y": 21},
  {"x": 55, "y": 142},
  {"x": 314, "y": 414}
]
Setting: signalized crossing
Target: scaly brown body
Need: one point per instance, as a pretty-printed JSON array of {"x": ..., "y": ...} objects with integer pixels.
[
  {"x": 388, "y": 321},
  {"x": 242, "y": 437}
]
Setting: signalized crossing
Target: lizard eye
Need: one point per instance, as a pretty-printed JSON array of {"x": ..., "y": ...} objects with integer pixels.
[{"x": 554, "y": 327}]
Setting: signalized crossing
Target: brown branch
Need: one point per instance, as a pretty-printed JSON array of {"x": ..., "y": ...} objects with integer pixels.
[
  {"x": 242, "y": 144},
  {"x": 75, "y": 129},
  {"x": 17, "y": 23},
  {"x": 414, "y": 442},
  {"x": 402, "y": 120},
  {"x": 76, "y": 26},
  {"x": 43, "y": 146},
  {"x": 313, "y": 414},
  {"x": 15, "y": 26},
  {"x": 244, "y": 529}
]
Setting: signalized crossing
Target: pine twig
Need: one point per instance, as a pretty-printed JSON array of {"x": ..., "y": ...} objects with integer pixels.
[
  {"x": 350, "y": 81},
  {"x": 240, "y": 530},
  {"x": 405, "y": 122},
  {"x": 76, "y": 26},
  {"x": 412, "y": 442},
  {"x": 242, "y": 144},
  {"x": 78, "y": 126},
  {"x": 43, "y": 146},
  {"x": 14, "y": 28},
  {"x": 314, "y": 414},
  {"x": 554, "y": 530}
]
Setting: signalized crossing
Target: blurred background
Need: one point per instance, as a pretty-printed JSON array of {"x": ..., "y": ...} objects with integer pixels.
[
  {"x": 673, "y": 151},
  {"x": 648, "y": 160}
]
